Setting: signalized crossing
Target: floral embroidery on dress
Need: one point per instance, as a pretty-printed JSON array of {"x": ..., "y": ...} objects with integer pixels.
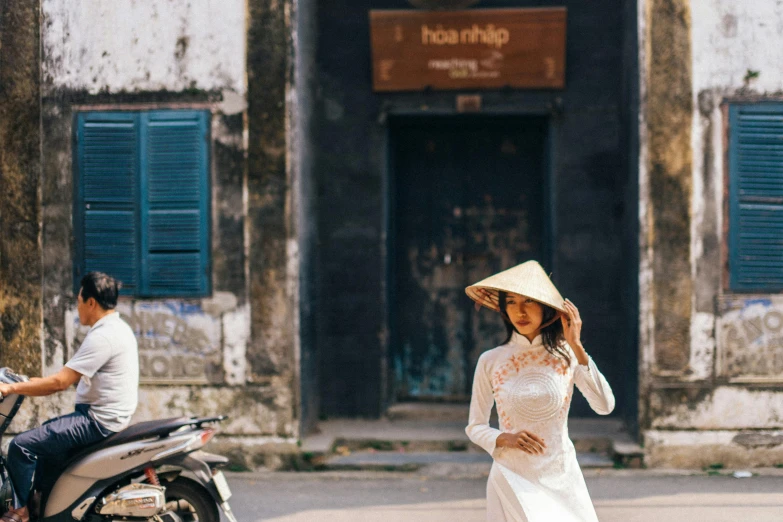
[{"x": 533, "y": 398}]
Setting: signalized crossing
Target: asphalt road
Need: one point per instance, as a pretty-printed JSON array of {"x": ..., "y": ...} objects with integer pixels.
[{"x": 619, "y": 496}]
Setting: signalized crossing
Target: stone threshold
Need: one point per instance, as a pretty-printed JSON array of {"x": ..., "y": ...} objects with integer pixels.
[{"x": 415, "y": 436}]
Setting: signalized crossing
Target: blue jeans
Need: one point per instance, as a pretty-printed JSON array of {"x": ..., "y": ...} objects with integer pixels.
[{"x": 33, "y": 455}]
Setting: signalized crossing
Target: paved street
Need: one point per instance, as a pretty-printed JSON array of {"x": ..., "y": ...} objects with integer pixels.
[{"x": 619, "y": 496}]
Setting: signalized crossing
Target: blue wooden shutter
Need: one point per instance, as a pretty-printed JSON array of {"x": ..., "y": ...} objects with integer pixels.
[
  {"x": 107, "y": 189},
  {"x": 175, "y": 203},
  {"x": 756, "y": 197}
]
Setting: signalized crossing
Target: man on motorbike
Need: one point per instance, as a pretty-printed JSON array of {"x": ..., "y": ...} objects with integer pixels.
[{"x": 107, "y": 369}]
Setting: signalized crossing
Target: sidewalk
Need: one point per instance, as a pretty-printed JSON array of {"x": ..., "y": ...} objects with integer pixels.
[{"x": 619, "y": 496}]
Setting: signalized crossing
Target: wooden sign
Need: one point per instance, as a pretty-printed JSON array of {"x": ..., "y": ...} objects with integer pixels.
[{"x": 473, "y": 49}]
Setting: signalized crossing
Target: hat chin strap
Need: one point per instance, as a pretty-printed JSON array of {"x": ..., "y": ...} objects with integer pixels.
[{"x": 551, "y": 321}]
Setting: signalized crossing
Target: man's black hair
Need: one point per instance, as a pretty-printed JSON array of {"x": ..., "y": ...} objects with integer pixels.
[{"x": 101, "y": 287}]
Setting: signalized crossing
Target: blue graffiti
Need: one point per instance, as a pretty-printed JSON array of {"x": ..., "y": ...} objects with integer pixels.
[{"x": 764, "y": 302}]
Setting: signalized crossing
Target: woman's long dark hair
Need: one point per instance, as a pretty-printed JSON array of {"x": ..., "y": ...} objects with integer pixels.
[{"x": 552, "y": 335}]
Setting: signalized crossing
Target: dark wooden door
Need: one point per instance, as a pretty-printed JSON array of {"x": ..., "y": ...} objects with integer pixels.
[{"x": 470, "y": 199}]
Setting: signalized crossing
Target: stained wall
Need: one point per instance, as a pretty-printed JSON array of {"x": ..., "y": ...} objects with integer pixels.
[
  {"x": 20, "y": 184},
  {"x": 711, "y": 370},
  {"x": 236, "y": 351}
]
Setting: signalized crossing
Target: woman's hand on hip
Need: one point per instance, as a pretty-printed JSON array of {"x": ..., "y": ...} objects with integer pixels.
[{"x": 524, "y": 440}]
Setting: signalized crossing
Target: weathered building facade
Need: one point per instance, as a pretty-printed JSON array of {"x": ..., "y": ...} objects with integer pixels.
[
  {"x": 419, "y": 197},
  {"x": 102, "y": 105},
  {"x": 324, "y": 231},
  {"x": 711, "y": 236}
]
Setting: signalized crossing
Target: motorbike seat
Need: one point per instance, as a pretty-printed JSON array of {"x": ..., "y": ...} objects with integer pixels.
[
  {"x": 134, "y": 432},
  {"x": 139, "y": 431},
  {"x": 144, "y": 430}
]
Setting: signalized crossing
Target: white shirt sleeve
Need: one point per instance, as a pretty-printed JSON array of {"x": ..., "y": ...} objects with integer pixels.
[
  {"x": 479, "y": 431},
  {"x": 594, "y": 387},
  {"x": 94, "y": 352}
]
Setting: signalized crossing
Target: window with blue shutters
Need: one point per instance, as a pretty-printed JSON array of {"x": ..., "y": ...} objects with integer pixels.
[
  {"x": 142, "y": 200},
  {"x": 756, "y": 197}
]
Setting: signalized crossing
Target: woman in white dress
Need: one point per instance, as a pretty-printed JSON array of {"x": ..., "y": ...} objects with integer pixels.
[{"x": 530, "y": 379}]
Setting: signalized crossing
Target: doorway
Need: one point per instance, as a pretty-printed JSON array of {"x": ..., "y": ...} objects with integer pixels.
[{"x": 469, "y": 197}]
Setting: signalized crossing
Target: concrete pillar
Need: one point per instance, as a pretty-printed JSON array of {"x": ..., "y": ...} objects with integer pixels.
[
  {"x": 665, "y": 217},
  {"x": 20, "y": 174},
  {"x": 273, "y": 352}
]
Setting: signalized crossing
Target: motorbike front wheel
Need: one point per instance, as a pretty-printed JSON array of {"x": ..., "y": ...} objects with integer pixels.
[{"x": 193, "y": 502}]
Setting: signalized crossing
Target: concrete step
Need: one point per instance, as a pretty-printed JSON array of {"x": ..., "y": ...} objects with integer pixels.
[
  {"x": 594, "y": 460},
  {"x": 398, "y": 461},
  {"x": 412, "y": 444},
  {"x": 627, "y": 454},
  {"x": 439, "y": 412},
  {"x": 414, "y": 461},
  {"x": 429, "y": 412},
  {"x": 353, "y": 432}
]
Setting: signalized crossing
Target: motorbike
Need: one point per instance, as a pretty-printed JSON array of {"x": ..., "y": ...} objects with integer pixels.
[{"x": 152, "y": 471}]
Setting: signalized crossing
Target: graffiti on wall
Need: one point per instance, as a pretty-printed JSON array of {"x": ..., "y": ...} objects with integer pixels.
[
  {"x": 750, "y": 339},
  {"x": 178, "y": 342}
]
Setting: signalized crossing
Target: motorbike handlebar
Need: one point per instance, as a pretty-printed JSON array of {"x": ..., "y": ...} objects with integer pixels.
[{"x": 8, "y": 376}]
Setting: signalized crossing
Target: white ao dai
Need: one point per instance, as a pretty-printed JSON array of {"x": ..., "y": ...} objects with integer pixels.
[{"x": 532, "y": 391}]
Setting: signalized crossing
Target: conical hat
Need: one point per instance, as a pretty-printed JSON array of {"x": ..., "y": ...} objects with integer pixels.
[{"x": 527, "y": 279}]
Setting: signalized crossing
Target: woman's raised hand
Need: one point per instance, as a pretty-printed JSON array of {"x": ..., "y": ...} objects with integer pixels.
[
  {"x": 484, "y": 295},
  {"x": 572, "y": 331},
  {"x": 524, "y": 440},
  {"x": 572, "y": 325}
]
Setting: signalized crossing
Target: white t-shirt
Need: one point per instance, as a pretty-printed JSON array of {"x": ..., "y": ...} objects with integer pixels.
[{"x": 108, "y": 361}]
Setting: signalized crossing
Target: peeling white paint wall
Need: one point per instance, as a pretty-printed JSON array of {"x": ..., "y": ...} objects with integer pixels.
[
  {"x": 730, "y": 354},
  {"x": 727, "y": 408},
  {"x": 646, "y": 316},
  {"x": 236, "y": 334},
  {"x": 702, "y": 354},
  {"x": 699, "y": 449},
  {"x": 731, "y": 37},
  {"x": 181, "y": 342},
  {"x": 707, "y": 133},
  {"x": 172, "y": 51},
  {"x": 144, "y": 45},
  {"x": 750, "y": 340},
  {"x": 702, "y": 349},
  {"x": 255, "y": 413}
]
